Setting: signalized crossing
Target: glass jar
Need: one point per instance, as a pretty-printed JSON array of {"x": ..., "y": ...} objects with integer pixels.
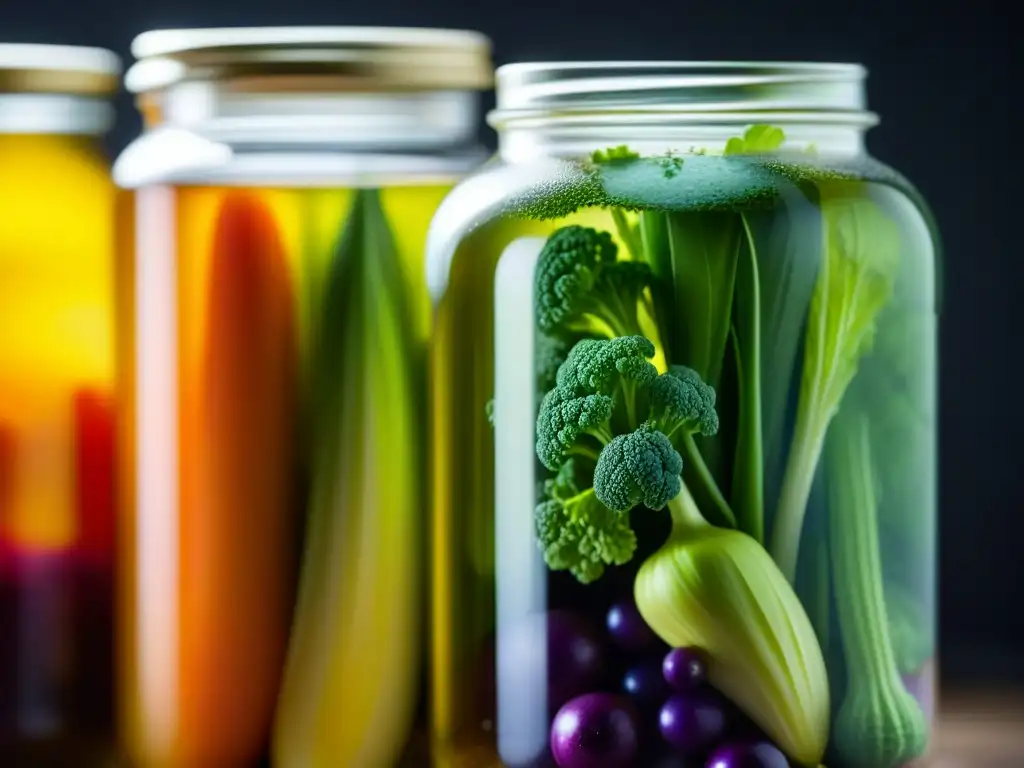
[
  {"x": 684, "y": 427},
  {"x": 56, "y": 404},
  {"x": 275, "y": 319}
]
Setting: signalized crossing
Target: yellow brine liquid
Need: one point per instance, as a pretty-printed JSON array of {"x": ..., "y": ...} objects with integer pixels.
[
  {"x": 274, "y": 342},
  {"x": 56, "y": 446}
]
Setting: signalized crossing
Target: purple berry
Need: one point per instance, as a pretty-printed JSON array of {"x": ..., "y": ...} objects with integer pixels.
[
  {"x": 645, "y": 685},
  {"x": 693, "y": 722},
  {"x": 628, "y": 628},
  {"x": 761, "y": 754},
  {"x": 684, "y": 669},
  {"x": 595, "y": 730}
]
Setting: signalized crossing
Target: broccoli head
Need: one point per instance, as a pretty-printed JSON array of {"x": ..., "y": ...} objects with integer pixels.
[
  {"x": 580, "y": 286},
  {"x": 641, "y": 467},
  {"x": 582, "y": 536},
  {"x": 597, "y": 377},
  {"x": 600, "y": 365},
  {"x": 680, "y": 400},
  {"x": 564, "y": 421}
]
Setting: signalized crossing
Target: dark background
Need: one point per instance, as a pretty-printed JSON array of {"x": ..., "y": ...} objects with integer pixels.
[{"x": 943, "y": 77}]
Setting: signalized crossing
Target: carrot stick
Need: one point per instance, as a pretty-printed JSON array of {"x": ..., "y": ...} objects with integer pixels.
[{"x": 237, "y": 513}]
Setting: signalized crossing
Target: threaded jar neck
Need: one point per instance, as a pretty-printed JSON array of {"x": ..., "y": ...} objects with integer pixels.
[{"x": 568, "y": 109}]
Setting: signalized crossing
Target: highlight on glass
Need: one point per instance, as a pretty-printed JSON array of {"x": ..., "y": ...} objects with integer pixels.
[
  {"x": 57, "y": 410},
  {"x": 683, "y": 427},
  {"x": 274, "y": 326}
]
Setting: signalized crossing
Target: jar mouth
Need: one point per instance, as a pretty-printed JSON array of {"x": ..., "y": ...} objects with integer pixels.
[{"x": 693, "y": 91}]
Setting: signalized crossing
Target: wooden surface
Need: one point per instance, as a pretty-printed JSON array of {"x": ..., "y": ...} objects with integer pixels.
[{"x": 980, "y": 729}]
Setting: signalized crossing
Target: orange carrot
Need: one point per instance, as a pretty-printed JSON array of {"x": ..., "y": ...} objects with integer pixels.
[{"x": 237, "y": 458}]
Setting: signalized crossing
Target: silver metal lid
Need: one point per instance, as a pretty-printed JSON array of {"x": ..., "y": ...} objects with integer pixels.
[
  {"x": 313, "y": 59},
  {"x": 588, "y": 89},
  {"x": 58, "y": 69}
]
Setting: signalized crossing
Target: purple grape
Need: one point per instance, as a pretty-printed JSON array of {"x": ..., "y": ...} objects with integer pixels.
[
  {"x": 684, "y": 669},
  {"x": 595, "y": 730},
  {"x": 761, "y": 754},
  {"x": 645, "y": 685},
  {"x": 628, "y": 628},
  {"x": 574, "y": 664},
  {"x": 693, "y": 722}
]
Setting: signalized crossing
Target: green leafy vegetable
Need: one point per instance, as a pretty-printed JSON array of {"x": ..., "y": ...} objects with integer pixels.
[
  {"x": 704, "y": 251},
  {"x": 359, "y": 572},
  {"x": 757, "y": 139},
  {"x": 879, "y": 724},
  {"x": 748, "y": 463},
  {"x": 854, "y": 283}
]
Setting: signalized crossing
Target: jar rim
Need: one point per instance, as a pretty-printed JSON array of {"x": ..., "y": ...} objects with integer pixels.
[
  {"x": 313, "y": 58},
  {"x": 531, "y": 91},
  {"x": 58, "y": 69}
]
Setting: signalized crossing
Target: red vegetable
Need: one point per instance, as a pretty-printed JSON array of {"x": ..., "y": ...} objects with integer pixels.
[{"x": 94, "y": 466}]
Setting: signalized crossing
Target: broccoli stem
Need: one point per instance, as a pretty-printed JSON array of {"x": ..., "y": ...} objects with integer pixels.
[
  {"x": 706, "y": 481},
  {"x": 628, "y": 235},
  {"x": 879, "y": 724},
  {"x": 796, "y": 490}
]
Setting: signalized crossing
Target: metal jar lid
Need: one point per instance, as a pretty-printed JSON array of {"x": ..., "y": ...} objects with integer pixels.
[
  {"x": 58, "y": 69},
  {"x": 313, "y": 59}
]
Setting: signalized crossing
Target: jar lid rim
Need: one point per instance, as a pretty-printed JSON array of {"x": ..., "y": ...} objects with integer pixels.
[
  {"x": 317, "y": 58},
  {"x": 58, "y": 69}
]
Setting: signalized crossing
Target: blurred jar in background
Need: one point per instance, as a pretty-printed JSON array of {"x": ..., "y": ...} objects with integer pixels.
[
  {"x": 56, "y": 405},
  {"x": 273, "y": 330}
]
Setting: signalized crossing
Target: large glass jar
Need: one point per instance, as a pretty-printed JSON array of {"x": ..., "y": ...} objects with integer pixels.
[
  {"x": 274, "y": 324},
  {"x": 684, "y": 428},
  {"x": 56, "y": 405}
]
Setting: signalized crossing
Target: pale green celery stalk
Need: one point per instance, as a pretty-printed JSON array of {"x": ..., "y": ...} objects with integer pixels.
[
  {"x": 879, "y": 724},
  {"x": 855, "y": 280},
  {"x": 355, "y": 644},
  {"x": 748, "y": 465}
]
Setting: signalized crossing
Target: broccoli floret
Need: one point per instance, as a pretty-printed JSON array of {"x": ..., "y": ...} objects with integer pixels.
[
  {"x": 581, "y": 287},
  {"x": 602, "y": 365},
  {"x": 641, "y": 467},
  {"x": 680, "y": 400},
  {"x": 563, "y": 421},
  {"x": 549, "y": 353},
  {"x": 597, "y": 377},
  {"x": 582, "y": 536}
]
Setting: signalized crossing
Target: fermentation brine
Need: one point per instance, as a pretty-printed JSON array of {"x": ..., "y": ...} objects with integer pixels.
[
  {"x": 275, "y": 319},
  {"x": 57, "y": 388},
  {"x": 684, "y": 428}
]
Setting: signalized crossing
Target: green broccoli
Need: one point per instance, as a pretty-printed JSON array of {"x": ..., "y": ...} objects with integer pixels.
[
  {"x": 640, "y": 467},
  {"x": 578, "y": 533},
  {"x": 597, "y": 377},
  {"x": 582, "y": 287},
  {"x": 610, "y": 407},
  {"x": 681, "y": 400}
]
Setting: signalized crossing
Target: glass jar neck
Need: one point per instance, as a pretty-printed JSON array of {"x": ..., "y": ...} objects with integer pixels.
[
  {"x": 559, "y": 138},
  {"x": 54, "y": 114},
  {"x": 401, "y": 122},
  {"x": 569, "y": 109}
]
